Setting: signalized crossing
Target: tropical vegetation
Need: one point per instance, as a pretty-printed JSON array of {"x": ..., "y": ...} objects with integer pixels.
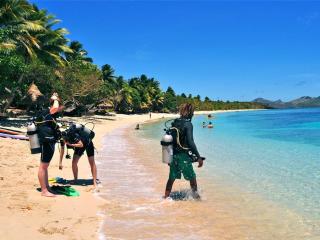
[{"x": 34, "y": 50}]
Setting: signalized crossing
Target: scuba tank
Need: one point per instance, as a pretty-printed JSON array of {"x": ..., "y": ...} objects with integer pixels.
[
  {"x": 174, "y": 138},
  {"x": 85, "y": 131},
  {"x": 167, "y": 148},
  {"x": 33, "y": 139}
]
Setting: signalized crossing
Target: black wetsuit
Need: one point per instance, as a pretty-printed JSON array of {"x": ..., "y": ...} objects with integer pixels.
[
  {"x": 186, "y": 136},
  {"x": 48, "y": 132},
  {"x": 75, "y": 136}
]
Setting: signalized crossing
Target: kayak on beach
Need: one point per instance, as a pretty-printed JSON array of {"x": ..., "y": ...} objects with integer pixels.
[
  {"x": 10, "y": 131},
  {"x": 19, "y": 137}
]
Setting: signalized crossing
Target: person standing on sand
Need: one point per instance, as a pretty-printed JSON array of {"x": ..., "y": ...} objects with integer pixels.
[
  {"x": 80, "y": 141},
  {"x": 150, "y": 114},
  {"x": 48, "y": 135},
  {"x": 182, "y": 163}
]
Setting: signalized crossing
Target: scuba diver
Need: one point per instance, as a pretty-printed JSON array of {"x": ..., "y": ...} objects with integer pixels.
[
  {"x": 204, "y": 125},
  {"x": 48, "y": 132},
  {"x": 79, "y": 137},
  {"x": 183, "y": 145}
]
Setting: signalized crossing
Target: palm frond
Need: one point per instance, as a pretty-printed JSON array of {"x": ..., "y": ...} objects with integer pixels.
[
  {"x": 33, "y": 26},
  {"x": 57, "y": 58},
  {"x": 29, "y": 50},
  {"x": 66, "y": 49},
  {"x": 61, "y": 31},
  {"x": 7, "y": 46}
]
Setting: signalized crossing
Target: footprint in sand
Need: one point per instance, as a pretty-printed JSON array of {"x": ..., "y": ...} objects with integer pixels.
[
  {"x": 26, "y": 208},
  {"x": 52, "y": 230}
]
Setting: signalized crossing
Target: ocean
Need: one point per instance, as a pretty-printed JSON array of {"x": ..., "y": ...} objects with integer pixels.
[{"x": 260, "y": 180}]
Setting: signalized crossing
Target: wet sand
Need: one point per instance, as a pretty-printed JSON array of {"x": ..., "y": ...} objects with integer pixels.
[{"x": 135, "y": 209}]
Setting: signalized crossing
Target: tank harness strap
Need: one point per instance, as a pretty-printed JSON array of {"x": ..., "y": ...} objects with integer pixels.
[
  {"x": 53, "y": 120},
  {"x": 178, "y": 138},
  {"x": 45, "y": 121}
]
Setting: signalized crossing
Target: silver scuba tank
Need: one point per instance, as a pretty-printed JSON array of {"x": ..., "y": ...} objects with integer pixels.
[
  {"x": 33, "y": 139},
  {"x": 78, "y": 126},
  {"x": 167, "y": 148},
  {"x": 85, "y": 130}
]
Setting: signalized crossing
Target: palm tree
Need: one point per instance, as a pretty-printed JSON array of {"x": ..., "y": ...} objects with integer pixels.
[
  {"x": 78, "y": 53},
  {"x": 27, "y": 31},
  {"x": 53, "y": 44},
  {"x": 16, "y": 28},
  {"x": 113, "y": 91},
  {"x": 107, "y": 73},
  {"x": 12, "y": 10}
]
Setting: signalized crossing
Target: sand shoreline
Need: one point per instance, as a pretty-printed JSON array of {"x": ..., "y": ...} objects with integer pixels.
[{"x": 35, "y": 217}]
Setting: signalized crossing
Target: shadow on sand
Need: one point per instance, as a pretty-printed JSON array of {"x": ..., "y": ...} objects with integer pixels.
[{"x": 80, "y": 182}]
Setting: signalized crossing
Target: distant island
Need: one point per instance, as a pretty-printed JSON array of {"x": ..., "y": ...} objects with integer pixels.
[{"x": 302, "y": 102}]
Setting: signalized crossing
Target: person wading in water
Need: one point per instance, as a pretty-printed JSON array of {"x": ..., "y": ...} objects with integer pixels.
[{"x": 182, "y": 162}]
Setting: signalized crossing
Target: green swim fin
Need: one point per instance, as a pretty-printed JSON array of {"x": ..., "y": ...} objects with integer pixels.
[{"x": 66, "y": 190}]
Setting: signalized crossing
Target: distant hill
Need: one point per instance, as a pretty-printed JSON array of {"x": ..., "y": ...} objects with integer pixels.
[{"x": 302, "y": 102}]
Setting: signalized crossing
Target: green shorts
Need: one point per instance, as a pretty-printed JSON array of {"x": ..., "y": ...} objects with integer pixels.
[{"x": 181, "y": 163}]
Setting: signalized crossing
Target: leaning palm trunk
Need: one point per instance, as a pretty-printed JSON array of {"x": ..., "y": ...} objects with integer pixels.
[{"x": 13, "y": 94}]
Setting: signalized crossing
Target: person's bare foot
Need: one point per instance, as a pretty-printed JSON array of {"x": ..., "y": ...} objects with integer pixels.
[
  {"x": 196, "y": 195},
  {"x": 93, "y": 189},
  {"x": 49, "y": 189},
  {"x": 47, "y": 194}
]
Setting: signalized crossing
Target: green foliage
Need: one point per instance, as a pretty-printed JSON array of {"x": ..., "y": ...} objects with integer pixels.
[
  {"x": 170, "y": 101},
  {"x": 11, "y": 67},
  {"x": 78, "y": 53},
  {"x": 33, "y": 50}
]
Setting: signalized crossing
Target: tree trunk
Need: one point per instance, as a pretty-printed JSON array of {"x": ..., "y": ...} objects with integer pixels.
[{"x": 13, "y": 94}]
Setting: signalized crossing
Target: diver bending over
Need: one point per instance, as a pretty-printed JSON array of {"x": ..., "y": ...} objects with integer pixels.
[
  {"x": 182, "y": 162},
  {"x": 80, "y": 138}
]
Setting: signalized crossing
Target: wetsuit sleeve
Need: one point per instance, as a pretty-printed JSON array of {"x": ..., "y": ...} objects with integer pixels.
[
  {"x": 190, "y": 141},
  {"x": 76, "y": 138}
]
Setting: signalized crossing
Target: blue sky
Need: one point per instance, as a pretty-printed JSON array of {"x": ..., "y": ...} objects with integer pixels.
[{"x": 231, "y": 50}]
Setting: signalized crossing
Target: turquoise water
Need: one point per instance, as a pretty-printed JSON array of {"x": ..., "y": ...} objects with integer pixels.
[{"x": 273, "y": 154}]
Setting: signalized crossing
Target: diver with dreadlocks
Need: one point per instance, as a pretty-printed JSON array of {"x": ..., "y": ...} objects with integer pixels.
[{"x": 183, "y": 144}]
